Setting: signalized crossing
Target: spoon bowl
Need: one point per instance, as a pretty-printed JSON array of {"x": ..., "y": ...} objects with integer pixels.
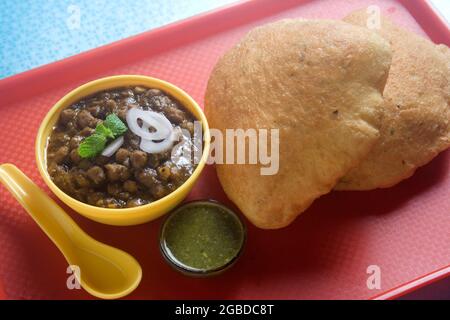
[{"x": 105, "y": 272}]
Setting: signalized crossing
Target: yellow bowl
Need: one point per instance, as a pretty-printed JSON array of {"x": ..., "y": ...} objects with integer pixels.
[{"x": 125, "y": 216}]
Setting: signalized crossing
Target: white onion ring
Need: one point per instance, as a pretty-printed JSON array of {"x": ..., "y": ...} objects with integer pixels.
[
  {"x": 149, "y": 119},
  {"x": 158, "y": 147},
  {"x": 113, "y": 147}
]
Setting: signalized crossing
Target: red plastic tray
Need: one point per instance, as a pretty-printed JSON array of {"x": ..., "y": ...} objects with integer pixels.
[{"x": 324, "y": 254}]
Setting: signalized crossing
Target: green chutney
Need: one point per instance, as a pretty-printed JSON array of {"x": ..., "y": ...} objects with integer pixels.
[{"x": 203, "y": 236}]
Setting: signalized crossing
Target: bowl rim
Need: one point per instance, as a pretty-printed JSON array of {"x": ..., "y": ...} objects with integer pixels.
[
  {"x": 185, "y": 269},
  {"x": 100, "y": 212}
]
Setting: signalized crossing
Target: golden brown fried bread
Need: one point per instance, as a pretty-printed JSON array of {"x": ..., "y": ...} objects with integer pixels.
[
  {"x": 417, "y": 112},
  {"x": 319, "y": 82}
]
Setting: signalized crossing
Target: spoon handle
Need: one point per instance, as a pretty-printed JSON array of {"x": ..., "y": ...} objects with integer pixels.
[
  {"x": 114, "y": 273},
  {"x": 50, "y": 217}
]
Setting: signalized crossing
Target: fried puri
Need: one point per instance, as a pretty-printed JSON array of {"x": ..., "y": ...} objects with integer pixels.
[
  {"x": 416, "y": 108},
  {"x": 318, "y": 82}
]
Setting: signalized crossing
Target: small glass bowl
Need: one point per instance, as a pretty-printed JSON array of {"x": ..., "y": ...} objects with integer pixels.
[{"x": 189, "y": 270}]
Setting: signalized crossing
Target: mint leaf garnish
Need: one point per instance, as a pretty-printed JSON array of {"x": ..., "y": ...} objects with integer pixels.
[
  {"x": 116, "y": 125},
  {"x": 104, "y": 131},
  {"x": 92, "y": 145}
]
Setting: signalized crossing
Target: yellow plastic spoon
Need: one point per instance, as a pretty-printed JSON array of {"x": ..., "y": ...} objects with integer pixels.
[{"x": 105, "y": 272}]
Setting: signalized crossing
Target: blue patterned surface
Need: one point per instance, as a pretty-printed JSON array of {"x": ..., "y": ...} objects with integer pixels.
[{"x": 33, "y": 33}]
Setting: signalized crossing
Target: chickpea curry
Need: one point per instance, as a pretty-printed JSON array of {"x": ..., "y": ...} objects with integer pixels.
[{"x": 114, "y": 149}]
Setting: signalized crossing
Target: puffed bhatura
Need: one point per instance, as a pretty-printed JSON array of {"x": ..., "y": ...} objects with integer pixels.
[
  {"x": 416, "y": 110},
  {"x": 320, "y": 83}
]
